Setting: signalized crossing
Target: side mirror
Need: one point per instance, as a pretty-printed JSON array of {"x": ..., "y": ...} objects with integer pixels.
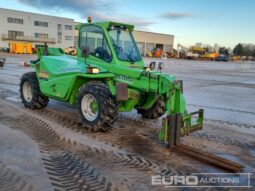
[
  {"x": 161, "y": 65},
  {"x": 45, "y": 50},
  {"x": 85, "y": 51},
  {"x": 152, "y": 65}
]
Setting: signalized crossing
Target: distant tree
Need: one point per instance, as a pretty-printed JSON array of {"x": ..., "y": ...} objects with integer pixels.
[
  {"x": 238, "y": 50},
  {"x": 222, "y": 50},
  {"x": 247, "y": 51},
  {"x": 226, "y": 52},
  {"x": 253, "y": 52}
]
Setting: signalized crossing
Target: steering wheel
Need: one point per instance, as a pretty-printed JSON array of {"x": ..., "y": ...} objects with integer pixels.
[
  {"x": 102, "y": 53},
  {"x": 118, "y": 48}
]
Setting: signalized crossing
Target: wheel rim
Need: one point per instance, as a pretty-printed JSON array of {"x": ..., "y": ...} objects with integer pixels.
[
  {"x": 89, "y": 107},
  {"x": 27, "y": 91}
]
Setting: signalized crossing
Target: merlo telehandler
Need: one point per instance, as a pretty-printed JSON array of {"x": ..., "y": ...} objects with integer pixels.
[{"x": 106, "y": 77}]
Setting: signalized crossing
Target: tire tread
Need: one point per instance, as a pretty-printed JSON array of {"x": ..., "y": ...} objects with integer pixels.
[
  {"x": 39, "y": 100},
  {"x": 156, "y": 111},
  {"x": 108, "y": 104}
]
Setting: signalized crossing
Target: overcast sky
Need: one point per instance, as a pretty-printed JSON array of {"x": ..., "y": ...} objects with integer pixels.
[{"x": 225, "y": 22}]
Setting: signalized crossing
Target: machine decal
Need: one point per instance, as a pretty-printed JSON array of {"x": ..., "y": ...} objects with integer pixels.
[{"x": 126, "y": 78}]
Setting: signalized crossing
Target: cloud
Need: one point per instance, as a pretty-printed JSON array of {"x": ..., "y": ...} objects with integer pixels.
[
  {"x": 100, "y": 10},
  {"x": 83, "y": 8},
  {"x": 137, "y": 21},
  {"x": 176, "y": 16}
]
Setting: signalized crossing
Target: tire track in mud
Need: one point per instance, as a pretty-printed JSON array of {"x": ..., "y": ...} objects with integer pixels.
[
  {"x": 65, "y": 170},
  {"x": 64, "y": 158},
  {"x": 223, "y": 139},
  {"x": 217, "y": 143},
  {"x": 11, "y": 181},
  {"x": 194, "y": 144},
  {"x": 71, "y": 121},
  {"x": 223, "y": 108},
  {"x": 129, "y": 161},
  {"x": 222, "y": 122},
  {"x": 68, "y": 172}
]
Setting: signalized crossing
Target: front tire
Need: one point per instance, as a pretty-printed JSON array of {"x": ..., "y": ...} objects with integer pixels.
[
  {"x": 97, "y": 108},
  {"x": 30, "y": 92},
  {"x": 156, "y": 111}
]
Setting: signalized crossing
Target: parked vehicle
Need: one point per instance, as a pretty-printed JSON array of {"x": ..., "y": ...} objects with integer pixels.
[{"x": 223, "y": 58}]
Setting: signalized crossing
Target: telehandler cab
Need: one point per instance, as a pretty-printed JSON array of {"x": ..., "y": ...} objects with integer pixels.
[{"x": 106, "y": 77}]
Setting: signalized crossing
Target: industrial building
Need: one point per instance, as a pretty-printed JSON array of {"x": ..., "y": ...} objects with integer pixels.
[
  {"x": 37, "y": 29},
  {"x": 146, "y": 41},
  {"x": 18, "y": 26}
]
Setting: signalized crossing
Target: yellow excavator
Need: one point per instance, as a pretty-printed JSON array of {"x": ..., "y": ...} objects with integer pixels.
[{"x": 209, "y": 56}]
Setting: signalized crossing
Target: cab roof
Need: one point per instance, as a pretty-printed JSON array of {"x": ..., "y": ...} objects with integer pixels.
[{"x": 106, "y": 25}]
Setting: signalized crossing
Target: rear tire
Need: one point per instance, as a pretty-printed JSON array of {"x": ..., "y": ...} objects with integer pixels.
[
  {"x": 30, "y": 92},
  {"x": 97, "y": 107},
  {"x": 155, "y": 112}
]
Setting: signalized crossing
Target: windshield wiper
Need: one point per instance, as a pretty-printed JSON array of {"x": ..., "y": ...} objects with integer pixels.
[
  {"x": 130, "y": 58},
  {"x": 118, "y": 47}
]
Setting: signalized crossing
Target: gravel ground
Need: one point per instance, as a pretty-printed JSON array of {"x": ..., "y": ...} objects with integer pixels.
[{"x": 48, "y": 149}]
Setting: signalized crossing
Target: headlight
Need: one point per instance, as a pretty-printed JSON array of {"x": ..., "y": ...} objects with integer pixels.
[{"x": 92, "y": 70}]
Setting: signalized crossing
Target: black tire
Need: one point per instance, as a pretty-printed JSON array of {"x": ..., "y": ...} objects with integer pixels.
[
  {"x": 156, "y": 111},
  {"x": 107, "y": 111},
  {"x": 38, "y": 100}
]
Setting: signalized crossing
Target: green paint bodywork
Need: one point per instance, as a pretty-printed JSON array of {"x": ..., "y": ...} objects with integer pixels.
[{"x": 60, "y": 77}]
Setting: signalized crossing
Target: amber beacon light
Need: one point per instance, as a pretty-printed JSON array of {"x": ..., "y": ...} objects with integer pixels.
[{"x": 89, "y": 19}]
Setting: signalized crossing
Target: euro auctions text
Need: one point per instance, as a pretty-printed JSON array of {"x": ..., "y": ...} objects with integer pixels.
[{"x": 238, "y": 180}]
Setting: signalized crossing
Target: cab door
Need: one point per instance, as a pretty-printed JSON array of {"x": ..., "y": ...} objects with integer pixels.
[{"x": 93, "y": 36}]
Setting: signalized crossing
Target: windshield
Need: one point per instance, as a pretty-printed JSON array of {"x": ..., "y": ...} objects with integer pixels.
[{"x": 124, "y": 45}]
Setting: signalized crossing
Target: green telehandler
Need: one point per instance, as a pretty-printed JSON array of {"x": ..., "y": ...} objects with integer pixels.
[{"x": 106, "y": 77}]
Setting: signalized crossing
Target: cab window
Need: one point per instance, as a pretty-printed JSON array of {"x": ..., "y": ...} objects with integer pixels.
[{"x": 94, "y": 38}]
